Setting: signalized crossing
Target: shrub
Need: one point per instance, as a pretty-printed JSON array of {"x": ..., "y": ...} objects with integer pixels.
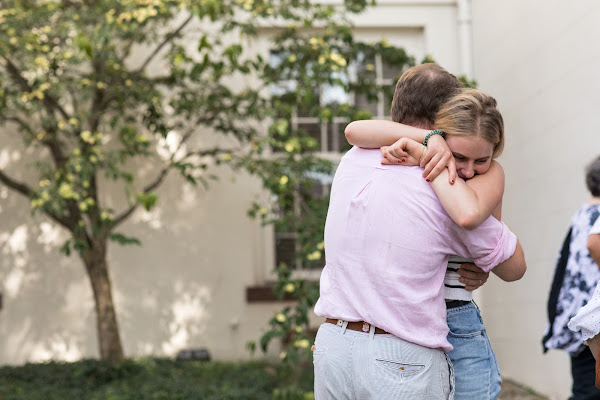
[{"x": 151, "y": 378}]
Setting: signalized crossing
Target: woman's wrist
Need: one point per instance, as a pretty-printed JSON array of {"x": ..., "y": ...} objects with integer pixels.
[{"x": 433, "y": 133}]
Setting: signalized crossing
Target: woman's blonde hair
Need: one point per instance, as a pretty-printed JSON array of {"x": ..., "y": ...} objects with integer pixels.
[{"x": 472, "y": 113}]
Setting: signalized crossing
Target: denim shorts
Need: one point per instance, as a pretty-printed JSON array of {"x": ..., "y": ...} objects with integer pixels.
[
  {"x": 474, "y": 361},
  {"x": 357, "y": 365}
]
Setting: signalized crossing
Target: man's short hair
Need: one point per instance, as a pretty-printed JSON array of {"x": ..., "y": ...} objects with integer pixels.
[{"x": 420, "y": 92}]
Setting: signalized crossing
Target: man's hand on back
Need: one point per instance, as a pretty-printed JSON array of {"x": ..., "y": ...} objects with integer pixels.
[{"x": 472, "y": 276}]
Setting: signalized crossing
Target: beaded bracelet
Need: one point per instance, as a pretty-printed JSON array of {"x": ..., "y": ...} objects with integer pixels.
[{"x": 430, "y": 134}]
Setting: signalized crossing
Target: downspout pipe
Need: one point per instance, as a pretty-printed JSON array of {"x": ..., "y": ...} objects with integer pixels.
[{"x": 465, "y": 37}]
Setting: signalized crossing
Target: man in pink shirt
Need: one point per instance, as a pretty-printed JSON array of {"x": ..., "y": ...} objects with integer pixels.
[{"x": 387, "y": 241}]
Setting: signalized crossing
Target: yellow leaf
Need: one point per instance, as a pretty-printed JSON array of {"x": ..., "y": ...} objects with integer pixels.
[
  {"x": 290, "y": 287},
  {"x": 87, "y": 137},
  {"x": 302, "y": 343},
  {"x": 279, "y": 317}
]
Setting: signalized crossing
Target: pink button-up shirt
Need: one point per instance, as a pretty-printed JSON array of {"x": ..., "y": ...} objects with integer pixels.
[{"x": 387, "y": 241}]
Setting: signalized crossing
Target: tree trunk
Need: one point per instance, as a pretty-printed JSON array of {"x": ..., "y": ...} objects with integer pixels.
[{"x": 109, "y": 340}]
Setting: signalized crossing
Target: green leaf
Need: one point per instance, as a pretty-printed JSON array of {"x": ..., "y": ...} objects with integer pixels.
[
  {"x": 84, "y": 44},
  {"x": 178, "y": 59},
  {"x": 266, "y": 338},
  {"x": 66, "y": 248},
  {"x": 251, "y": 346},
  {"x": 363, "y": 114},
  {"x": 124, "y": 240},
  {"x": 233, "y": 52},
  {"x": 204, "y": 43},
  {"x": 148, "y": 200}
]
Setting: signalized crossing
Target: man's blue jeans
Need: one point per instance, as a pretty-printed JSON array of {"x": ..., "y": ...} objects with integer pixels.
[{"x": 475, "y": 366}]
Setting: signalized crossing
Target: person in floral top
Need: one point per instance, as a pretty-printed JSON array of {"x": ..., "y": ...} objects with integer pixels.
[{"x": 581, "y": 276}]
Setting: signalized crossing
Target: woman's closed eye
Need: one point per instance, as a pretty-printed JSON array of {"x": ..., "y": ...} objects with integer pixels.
[{"x": 459, "y": 157}]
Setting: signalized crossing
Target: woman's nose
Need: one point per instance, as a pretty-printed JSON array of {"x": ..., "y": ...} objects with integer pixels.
[{"x": 468, "y": 172}]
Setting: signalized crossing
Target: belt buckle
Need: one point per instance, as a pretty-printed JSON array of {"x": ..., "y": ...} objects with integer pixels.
[{"x": 366, "y": 327}]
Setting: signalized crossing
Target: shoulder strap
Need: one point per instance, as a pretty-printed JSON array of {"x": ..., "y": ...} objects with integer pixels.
[{"x": 559, "y": 276}]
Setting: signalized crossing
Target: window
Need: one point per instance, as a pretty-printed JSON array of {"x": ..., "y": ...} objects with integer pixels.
[
  {"x": 328, "y": 133},
  {"x": 308, "y": 222}
]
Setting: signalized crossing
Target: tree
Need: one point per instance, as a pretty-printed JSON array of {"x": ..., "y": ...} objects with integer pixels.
[{"x": 98, "y": 86}]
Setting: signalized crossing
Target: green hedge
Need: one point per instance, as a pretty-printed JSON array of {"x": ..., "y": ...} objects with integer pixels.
[{"x": 153, "y": 379}]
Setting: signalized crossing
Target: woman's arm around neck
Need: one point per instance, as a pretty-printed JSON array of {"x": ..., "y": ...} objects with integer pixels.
[{"x": 472, "y": 202}]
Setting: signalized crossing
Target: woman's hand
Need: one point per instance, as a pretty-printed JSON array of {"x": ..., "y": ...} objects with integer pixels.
[
  {"x": 472, "y": 276},
  {"x": 437, "y": 157},
  {"x": 404, "y": 151},
  {"x": 433, "y": 158}
]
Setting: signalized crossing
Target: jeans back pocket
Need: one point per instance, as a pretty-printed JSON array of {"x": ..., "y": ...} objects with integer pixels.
[{"x": 403, "y": 369}]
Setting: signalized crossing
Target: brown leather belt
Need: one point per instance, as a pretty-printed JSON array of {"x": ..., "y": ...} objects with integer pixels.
[{"x": 359, "y": 326}]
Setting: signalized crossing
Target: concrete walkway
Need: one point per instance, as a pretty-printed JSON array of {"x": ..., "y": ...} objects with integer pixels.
[{"x": 515, "y": 391}]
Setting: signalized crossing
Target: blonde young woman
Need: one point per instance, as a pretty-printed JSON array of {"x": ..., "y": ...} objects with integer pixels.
[{"x": 474, "y": 136}]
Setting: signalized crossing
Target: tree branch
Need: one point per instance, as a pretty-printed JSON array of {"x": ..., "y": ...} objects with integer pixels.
[
  {"x": 16, "y": 75},
  {"x": 55, "y": 150},
  {"x": 126, "y": 50},
  {"x": 93, "y": 212},
  {"x": 69, "y": 4},
  {"x": 167, "y": 39},
  {"x": 26, "y": 191},
  {"x": 127, "y": 213},
  {"x": 49, "y": 102},
  {"x": 74, "y": 102},
  {"x": 98, "y": 104},
  {"x": 161, "y": 176},
  {"x": 21, "y": 123},
  {"x": 15, "y": 185},
  {"x": 52, "y": 144},
  {"x": 211, "y": 152}
]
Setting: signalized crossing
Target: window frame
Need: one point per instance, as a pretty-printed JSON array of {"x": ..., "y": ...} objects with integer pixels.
[{"x": 324, "y": 152}]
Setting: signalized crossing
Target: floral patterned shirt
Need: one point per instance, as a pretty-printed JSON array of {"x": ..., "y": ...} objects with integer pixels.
[{"x": 581, "y": 278}]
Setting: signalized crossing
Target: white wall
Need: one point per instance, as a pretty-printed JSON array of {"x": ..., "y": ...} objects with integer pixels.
[
  {"x": 437, "y": 20},
  {"x": 540, "y": 60},
  {"x": 185, "y": 287}
]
